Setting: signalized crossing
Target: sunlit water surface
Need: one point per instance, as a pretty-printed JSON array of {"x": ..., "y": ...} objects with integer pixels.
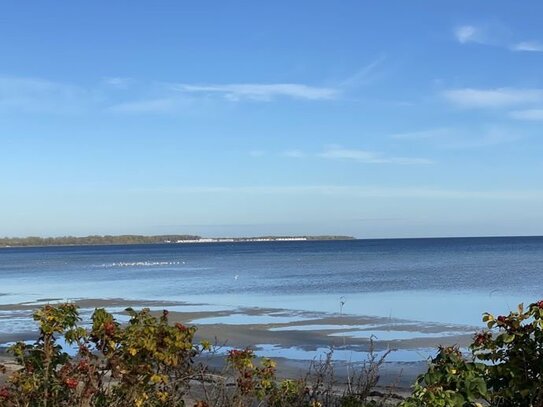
[{"x": 449, "y": 281}]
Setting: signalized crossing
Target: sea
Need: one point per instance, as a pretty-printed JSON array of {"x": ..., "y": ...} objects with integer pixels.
[{"x": 442, "y": 280}]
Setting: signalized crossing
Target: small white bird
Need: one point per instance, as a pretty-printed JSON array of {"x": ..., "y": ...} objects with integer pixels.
[{"x": 236, "y": 276}]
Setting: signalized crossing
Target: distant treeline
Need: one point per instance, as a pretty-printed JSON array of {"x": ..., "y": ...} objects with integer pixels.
[
  {"x": 129, "y": 239},
  {"x": 92, "y": 240}
]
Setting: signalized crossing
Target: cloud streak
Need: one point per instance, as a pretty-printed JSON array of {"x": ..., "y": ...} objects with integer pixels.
[
  {"x": 528, "y": 114},
  {"x": 494, "y": 35},
  {"x": 354, "y": 190},
  {"x": 265, "y": 92},
  {"x": 458, "y": 138},
  {"x": 528, "y": 46},
  {"x": 38, "y": 95},
  {"x": 294, "y": 153},
  {"x": 145, "y": 106},
  {"x": 369, "y": 157},
  {"x": 119, "y": 82},
  {"x": 492, "y": 98},
  {"x": 120, "y": 95},
  {"x": 364, "y": 76},
  {"x": 261, "y": 92},
  {"x": 469, "y": 33},
  {"x": 128, "y": 95}
]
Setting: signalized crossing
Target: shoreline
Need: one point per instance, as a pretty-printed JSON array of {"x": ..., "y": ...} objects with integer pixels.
[
  {"x": 220, "y": 240},
  {"x": 308, "y": 239},
  {"x": 292, "y": 338}
]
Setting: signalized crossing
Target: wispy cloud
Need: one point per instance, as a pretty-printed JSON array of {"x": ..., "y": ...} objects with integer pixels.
[
  {"x": 261, "y": 92},
  {"x": 493, "y": 98},
  {"x": 38, "y": 95},
  {"x": 335, "y": 152},
  {"x": 455, "y": 138},
  {"x": 430, "y": 134},
  {"x": 369, "y": 157},
  {"x": 168, "y": 97},
  {"x": 528, "y": 114},
  {"x": 364, "y": 76},
  {"x": 119, "y": 82},
  {"x": 128, "y": 95},
  {"x": 495, "y": 35},
  {"x": 470, "y": 33},
  {"x": 294, "y": 153},
  {"x": 528, "y": 46},
  {"x": 369, "y": 191},
  {"x": 265, "y": 92},
  {"x": 145, "y": 106}
]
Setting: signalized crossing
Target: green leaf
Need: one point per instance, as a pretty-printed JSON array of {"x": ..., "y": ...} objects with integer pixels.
[{"x": 508, "y": 338}]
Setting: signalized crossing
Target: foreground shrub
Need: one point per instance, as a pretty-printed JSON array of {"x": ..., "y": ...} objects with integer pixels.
[
  {"x": 450, "y": 381},
  {"x": 151, "y": 363},
  {"x": 505, "y": 367},
  {"x": 146, "y": 363},
  {"x": 256, "y": 384}
]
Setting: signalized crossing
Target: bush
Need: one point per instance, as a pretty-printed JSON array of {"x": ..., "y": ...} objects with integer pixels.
[
  {"x": 151, "y": 363},
  {"x": 505, "y": 367},
  {"x": 146, "y": 363}
]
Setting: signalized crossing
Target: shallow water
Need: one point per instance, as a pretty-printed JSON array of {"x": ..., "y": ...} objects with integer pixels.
[
  {"x": 345, "y": 355},
  {"x": 393, "y": 335},
  {"x": 433, "y": 280}
]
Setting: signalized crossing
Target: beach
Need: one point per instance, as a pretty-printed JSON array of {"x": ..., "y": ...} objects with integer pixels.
[{"x": 293, "y": 339}]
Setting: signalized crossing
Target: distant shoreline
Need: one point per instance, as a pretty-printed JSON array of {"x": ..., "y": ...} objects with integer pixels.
[
  {"x": 6, "y": 243},
  {"x": 68, "y": 241}
]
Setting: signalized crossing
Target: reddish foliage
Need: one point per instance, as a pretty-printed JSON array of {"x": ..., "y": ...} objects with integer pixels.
[
  {"x": 181, "y": 327},
  {"x": 109, "y": 328},
  {"x": 4, "y": 393},
  {"x": 71, "y": 382}
]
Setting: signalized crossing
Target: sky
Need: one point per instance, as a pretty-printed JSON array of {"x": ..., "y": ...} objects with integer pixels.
[{"x": 363, "y": 118}]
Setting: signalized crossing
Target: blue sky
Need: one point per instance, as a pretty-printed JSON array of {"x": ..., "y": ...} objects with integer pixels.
[{"x": 373, "y": 119}]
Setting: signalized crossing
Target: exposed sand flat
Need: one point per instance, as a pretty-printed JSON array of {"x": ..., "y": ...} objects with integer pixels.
[{"x": 292, "y": 338}]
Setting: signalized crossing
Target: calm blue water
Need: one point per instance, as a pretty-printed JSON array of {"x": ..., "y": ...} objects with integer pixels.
[{"x": 440, "y": 280}]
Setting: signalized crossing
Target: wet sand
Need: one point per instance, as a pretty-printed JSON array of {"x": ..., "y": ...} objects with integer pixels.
[{"x": 292, "y": 338}]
